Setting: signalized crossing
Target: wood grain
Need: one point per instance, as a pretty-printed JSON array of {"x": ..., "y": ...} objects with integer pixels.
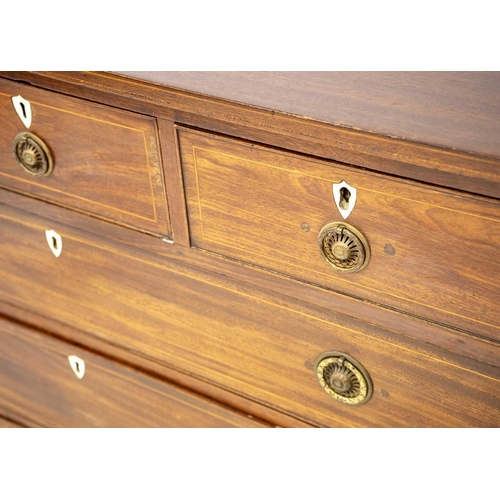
[
  {"x": 175, "y": 187},
  {"x": 456, "y": 340},
  {"x": 456, "y": 110},
  {"x": 250, "y": 203},
  {"x": 258, "y": 344},
  {"x": 107, "y": 161},
  {"x": 36, "y": 379},
  {"x": 233, "y": 326},
  {"x": 453, "y": 168},
  {"x": 156, "y": 250},
  {"x": 6, "y": 423},
  {"x": 191, "y": 382}
]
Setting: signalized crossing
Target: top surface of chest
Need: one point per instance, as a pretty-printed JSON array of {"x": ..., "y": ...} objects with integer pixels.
[{"x": 457, "y": 110}]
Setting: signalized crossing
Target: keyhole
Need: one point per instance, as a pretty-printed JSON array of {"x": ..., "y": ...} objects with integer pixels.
[
  {"x": 24, "y": 109},
  {"x": 77, "y": 365},
  {"x": 54, "y": 241},
  {"x": 345, "y": 194}
]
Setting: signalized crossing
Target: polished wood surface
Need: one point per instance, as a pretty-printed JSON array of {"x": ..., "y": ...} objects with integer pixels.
[
  {"x": 36, "y": 379},
  {"x": 429, "y": 248},
  {"x": 155, "y": 250},
  {"x": 455, "y": 168},
  {"x": 457, "y": 110},
  {"x": 225, "y": 303},
  {"x": 192, "y": 382},
  {"x": 106, "y": 161},
  {"x": 257, "y": 344},
  {"x": 6, "y": 423}
]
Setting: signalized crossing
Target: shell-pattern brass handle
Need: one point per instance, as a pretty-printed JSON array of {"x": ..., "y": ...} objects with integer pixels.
[
  {"x": 343, "y": 378},
  {"x": 343, "y": 247},
  {"x": 32, "y": 154}
]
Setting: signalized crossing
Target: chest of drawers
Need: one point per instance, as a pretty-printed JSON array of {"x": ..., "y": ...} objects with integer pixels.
[{"x": 264, "y": 249}]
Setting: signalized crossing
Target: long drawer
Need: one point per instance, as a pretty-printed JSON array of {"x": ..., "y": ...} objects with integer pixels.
[
  {"x": 265, "y": 347},
  {"x": 425, "y": 250},
  {"x": 88, "y": 157},
  {"x": 56, "y": 384}
]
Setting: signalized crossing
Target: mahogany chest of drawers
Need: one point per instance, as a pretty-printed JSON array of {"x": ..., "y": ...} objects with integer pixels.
[{"x": 249, "y": 249}]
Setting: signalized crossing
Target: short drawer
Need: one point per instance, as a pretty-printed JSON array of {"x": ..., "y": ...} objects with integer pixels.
[
  {"x": 432, "y": 252},
  {"x": 104, "y": 161},
  {"x": 57, "y": 385},
  {"x": 260, "y": 345}
]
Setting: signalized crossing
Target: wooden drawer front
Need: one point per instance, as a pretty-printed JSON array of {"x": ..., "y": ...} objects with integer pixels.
[
  {"x": 433, "y": 253},
  {"x": 37, "y": 381},
  {"x": 106, "y": 161},
  {"x": 256, "y": 344}
]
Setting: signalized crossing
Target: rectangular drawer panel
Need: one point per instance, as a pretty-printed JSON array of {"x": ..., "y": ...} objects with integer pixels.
[
  {"x": 259, "y": 345},
  {"x": 37, "y": 381},
  {"x": 434, "y": 253},
  {"x": 106, "y": 161}
]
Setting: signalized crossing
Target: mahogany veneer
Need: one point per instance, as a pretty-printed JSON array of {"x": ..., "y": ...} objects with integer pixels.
[{"x": 214, "y": 308}]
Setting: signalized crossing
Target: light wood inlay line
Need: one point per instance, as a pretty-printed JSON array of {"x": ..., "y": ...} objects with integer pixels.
[
  {"x": 239, "y": 292},
  {"x": 65, "y": 193},
  {"x": 341, "y": 131},
  {"x": 391, "y": 294}
]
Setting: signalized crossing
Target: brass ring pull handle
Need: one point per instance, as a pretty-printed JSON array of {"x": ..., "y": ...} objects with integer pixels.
[
  {"x": 343, "y": 378},
  {"x": 32, "y": 154},
  {"x": 343, "y": 247}
]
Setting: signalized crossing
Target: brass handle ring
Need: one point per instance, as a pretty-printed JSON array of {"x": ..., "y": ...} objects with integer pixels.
[
  {"x": 32, "y": 154},
  {"x": 343, "y": 378},
  {"x": 343, "y": 247}
]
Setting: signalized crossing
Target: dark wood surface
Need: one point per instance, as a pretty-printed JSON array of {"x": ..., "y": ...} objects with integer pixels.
[
  {"x": 190, "y": 381},
  {"x": 6, "y": 423},
  {"x": 143, "y": 246},
  {"x": 175, "y": 185},
  {"x": 218, "y": 319},
  {"x": 458, "y": 110},
  {"x": 436, "y": 165},
  {"x": 250, "y": 203},
  {"x": 258, "y": 344},
  {"x": 156, "y": 250},
  {"x": 106, "y": 161},
  {"x": 36, "y": 380}
]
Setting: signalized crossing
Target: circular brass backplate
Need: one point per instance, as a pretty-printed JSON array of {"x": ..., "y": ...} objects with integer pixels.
[
  {"x": 343, "y": 378},
  {"x": 32, "y": 154},
  {"x": 343, "y": 247}
]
